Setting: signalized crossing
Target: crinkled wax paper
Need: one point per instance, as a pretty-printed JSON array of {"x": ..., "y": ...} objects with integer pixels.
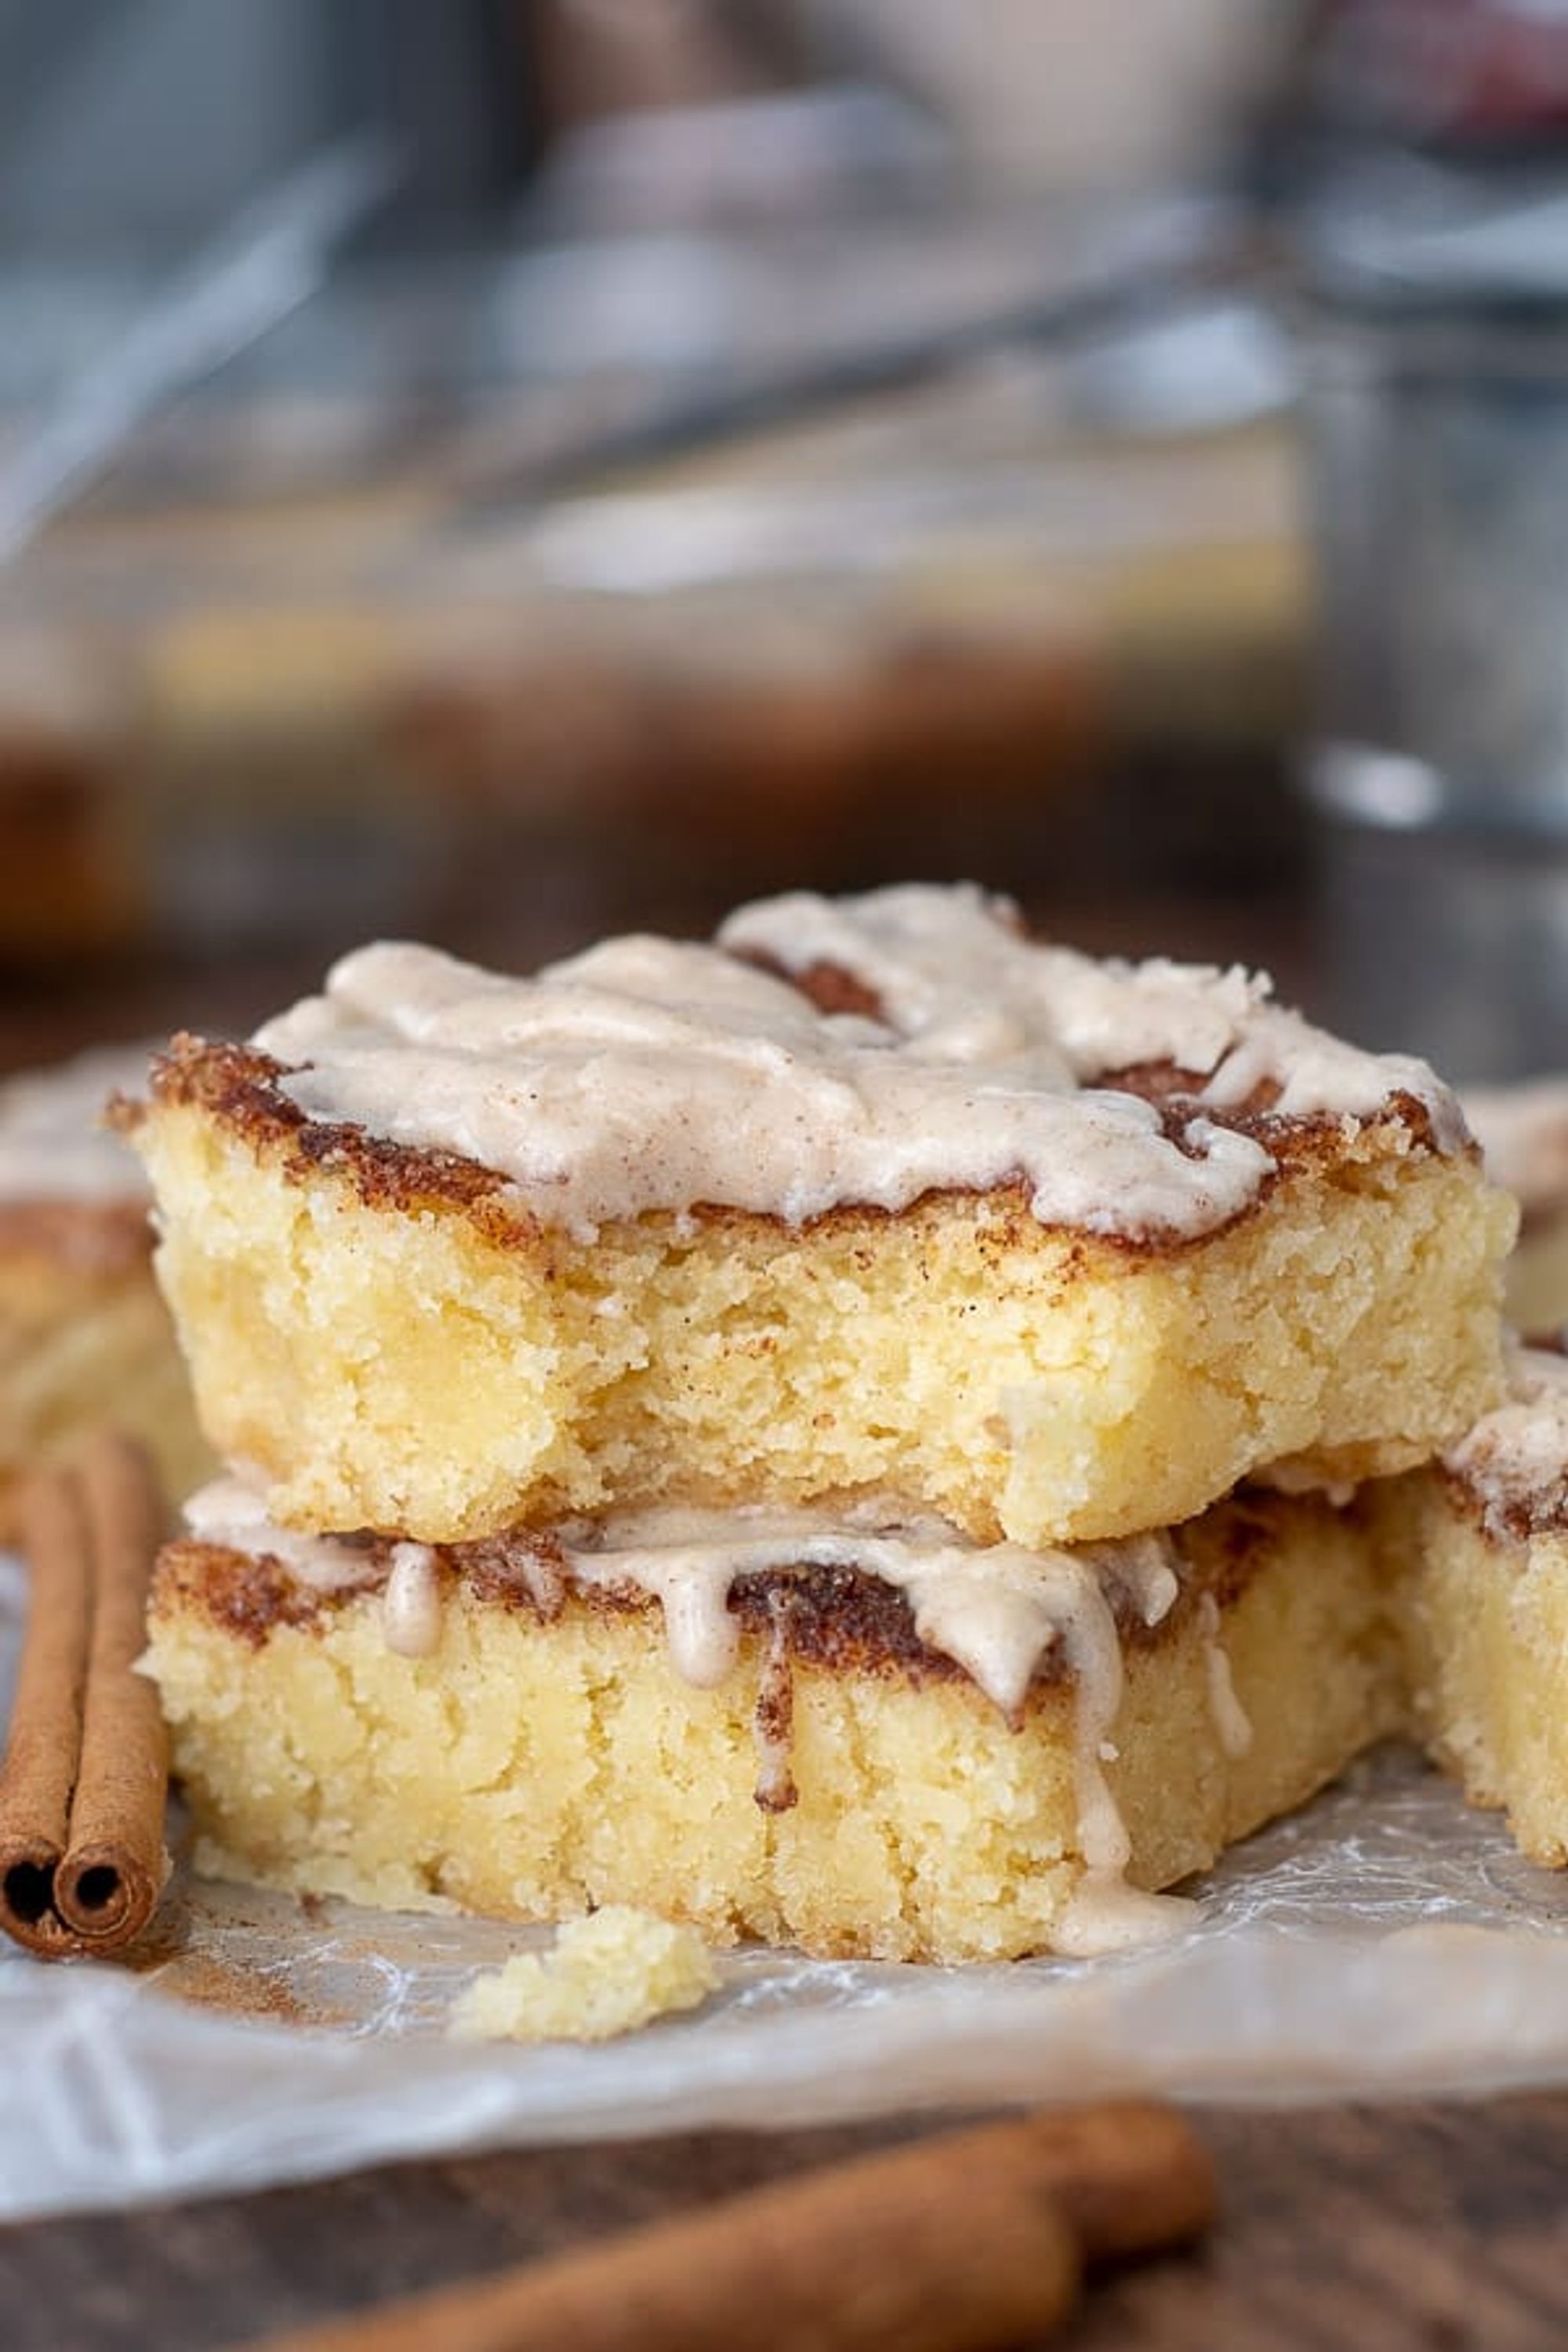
[{"x": 1385, "y": 1941}]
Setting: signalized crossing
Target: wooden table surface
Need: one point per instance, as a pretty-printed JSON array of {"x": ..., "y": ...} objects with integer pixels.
[
  {"x": 1438, "y": 2225},
  {"x": 1406, "y": 2229}
]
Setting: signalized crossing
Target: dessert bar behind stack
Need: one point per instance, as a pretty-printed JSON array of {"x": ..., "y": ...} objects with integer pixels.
[
  {"x": 1523, "y": 1131},
  {"x": 750, "y": 1428},
  {"x": 1482, "y": 1543},
  {"x": 84, "y": 1334}
]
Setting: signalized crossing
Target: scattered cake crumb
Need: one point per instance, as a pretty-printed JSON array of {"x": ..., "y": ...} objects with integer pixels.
[{"x": 609, "y": 1973}]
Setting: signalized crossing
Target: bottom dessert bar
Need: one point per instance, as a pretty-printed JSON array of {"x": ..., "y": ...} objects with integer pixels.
[{"x": 829, "y": 1779}]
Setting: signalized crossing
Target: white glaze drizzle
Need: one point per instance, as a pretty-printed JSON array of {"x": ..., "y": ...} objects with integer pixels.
[
  {"x": 1232, "y": 1724},
  {"x": 647, "y": 1074},
  {"x": 411, "y": 1603},
  {"x": 1105, "y": 1915},
  {"x": 230, "y": 1513},
  {"x": 772, "y": 1722},
  {"x": 995, "y": 1610}
]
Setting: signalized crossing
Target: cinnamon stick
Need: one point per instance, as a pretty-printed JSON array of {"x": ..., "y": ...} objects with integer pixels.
[
  {"x": 113, "y": 1871},
  {"x": 82, "y": 1789},
  {"x": 39, "y": 1774},
  {"x": 963, "y": 2241}
]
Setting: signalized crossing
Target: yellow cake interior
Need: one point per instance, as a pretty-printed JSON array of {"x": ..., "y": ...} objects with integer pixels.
[
  {"x": 535, "y": 1769},
  {"x": 1484, "y": 1618},
  {"x": 1021, "y": 1379}
]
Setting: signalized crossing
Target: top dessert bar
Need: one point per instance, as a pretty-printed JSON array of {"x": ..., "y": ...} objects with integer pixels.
[{"x": 868, "y": 1196}]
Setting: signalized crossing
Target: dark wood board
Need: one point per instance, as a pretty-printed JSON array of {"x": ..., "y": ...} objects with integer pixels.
[{"x": 1402, "y": 2228}]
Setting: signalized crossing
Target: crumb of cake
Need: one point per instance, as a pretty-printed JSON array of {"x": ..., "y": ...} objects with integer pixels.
[{"x": 610, "y": 1973}]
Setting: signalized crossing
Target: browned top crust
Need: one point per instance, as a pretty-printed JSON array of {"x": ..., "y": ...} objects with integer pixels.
[
  {"x": 840, "y": 1621},
  {"x": 239, "y": 1087}
]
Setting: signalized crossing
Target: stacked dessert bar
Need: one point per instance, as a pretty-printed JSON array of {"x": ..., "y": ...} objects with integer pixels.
[{"x": 851, "y": 1433}]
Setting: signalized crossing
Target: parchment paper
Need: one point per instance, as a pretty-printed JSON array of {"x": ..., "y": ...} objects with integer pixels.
[{"x": 1385, "y": 1941}]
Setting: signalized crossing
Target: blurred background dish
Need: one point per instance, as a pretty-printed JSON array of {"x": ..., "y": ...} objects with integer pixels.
[
  {"x": 1437, "y": 414},
  {"x": 729, "y": 443}
]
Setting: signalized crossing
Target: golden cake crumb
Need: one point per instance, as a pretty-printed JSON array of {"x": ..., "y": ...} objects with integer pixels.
[{"x": 610, "y": 1973}]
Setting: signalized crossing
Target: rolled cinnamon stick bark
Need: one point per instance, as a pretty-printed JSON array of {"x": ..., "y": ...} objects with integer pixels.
[
  {"x": 115, "y": 1865},
  {"x": 958, "y": 2244},
  {"x": 40, "y": 1773},
  {"x": 83, "y": 1786}
]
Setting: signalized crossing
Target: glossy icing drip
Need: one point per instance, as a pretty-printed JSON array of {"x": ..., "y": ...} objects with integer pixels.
[
  {"x": 411, "y": 1602},
  {"x": 1233, "y": 1725},
  {"x": 231, "y": 1514},
  {"x": 996, "y": 1611}
]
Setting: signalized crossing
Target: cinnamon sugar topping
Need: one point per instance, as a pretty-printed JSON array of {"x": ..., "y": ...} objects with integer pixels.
[
  {"x": 1514, "y": 1463},
  {"x": 998, "y": 1613},
  {"x": 650, "y": 1075}
]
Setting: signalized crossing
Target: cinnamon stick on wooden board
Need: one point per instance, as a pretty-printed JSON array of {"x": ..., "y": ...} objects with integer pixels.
[
  {"x": 961, "y": 2242},
  {"x": 83, "y": 1786}
]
